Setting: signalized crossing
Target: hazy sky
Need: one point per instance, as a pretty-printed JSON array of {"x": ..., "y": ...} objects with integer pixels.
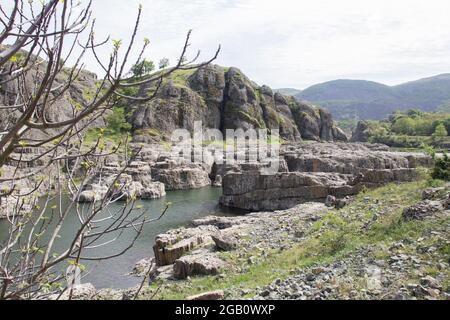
[{"x": 287, "y": 43}]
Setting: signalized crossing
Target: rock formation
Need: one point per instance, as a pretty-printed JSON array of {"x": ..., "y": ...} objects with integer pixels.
[
  {"x": 361, "y": 133},
  {"x": 226, "y": 99},
  {"x": 317, "y": 171}
]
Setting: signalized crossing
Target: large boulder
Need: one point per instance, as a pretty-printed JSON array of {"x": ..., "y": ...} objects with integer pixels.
[
  {"x": 224, "y": 242},
  {"x": 172, "y": 245},
  {"x": 197, "y": 263},
  {"x": 361, "y": 133},
  {"x": 93, "y": 193}
]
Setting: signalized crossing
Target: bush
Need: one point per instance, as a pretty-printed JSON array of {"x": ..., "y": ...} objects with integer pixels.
[
  {"x": 440, "y": 131},
  {"x": 441, "y": 168},
  {"x": 116, "y": 122}
]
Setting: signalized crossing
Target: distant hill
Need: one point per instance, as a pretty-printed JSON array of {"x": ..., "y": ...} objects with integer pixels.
[
  {"x": 372, "y": 100},
  {"x": 289, "y": 91}
]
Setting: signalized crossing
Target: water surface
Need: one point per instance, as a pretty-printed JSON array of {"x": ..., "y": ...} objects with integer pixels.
[{"x": 186, "y": 206}]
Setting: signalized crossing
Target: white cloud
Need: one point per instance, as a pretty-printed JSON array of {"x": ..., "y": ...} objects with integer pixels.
[{"x": 295, "y": 43}]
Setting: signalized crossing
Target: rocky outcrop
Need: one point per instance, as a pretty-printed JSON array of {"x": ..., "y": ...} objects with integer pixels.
[
  {"x": 422, "y": 210},
  {"x": 348, "y": 158},
  {"x": 172, "y": 245},
  {"x": 176, "y": 177},
  {"x": 195, "y": 250},
  {"x": 224, "y": 242},
  {"x": 12, "y": 201},
  {"x": 197, "y": 263},
  {"x": 226, "y": 99},
  {"x": 361, "y": 133},
  {"x": 134, "y": 182},
  {"x": 317, "y": 171},
  {"x": 255, "y": 192},
  {"x": 80, "y": 91},
  {"x": 175, "y": 107}
]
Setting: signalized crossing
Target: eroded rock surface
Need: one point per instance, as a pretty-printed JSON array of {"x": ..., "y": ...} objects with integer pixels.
[
  {"x": 316, "y": 171},
  {"x": 226, "y": 99},
  {"x": 172, "y": 245},
  {"x": 197, "y": 263}
]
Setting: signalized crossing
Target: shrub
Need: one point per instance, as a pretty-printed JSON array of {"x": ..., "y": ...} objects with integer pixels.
[
  {"x": 441, "y": 168},
  {"x": 116, "y": 122},
  {"x": 440, "y": 131}
]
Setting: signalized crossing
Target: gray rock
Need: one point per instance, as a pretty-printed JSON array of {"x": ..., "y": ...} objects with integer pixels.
[
  {"x": 200, "y": 263},
  {"x": 172, "y": 245},
  {"x": 224, "y": 242},
  {"x": 316, "y": 171},
  {"x": 422, "y": 210},
  {"x": 227, "y": 99},
  {"x": 361, "y": 133}
]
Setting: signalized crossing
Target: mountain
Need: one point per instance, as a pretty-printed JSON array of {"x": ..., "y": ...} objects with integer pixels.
[
  {"x": 346, "y": 99},
  {"x": 289, "y": 91}
]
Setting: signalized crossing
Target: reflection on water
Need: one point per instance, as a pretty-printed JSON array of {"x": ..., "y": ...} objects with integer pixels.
[{"x": 186, "y": 206}]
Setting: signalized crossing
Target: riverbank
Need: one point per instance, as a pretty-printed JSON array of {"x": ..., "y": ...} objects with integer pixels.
[{"x": 366, "y": 250}]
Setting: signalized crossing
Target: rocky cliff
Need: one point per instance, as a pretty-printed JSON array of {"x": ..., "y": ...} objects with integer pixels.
[
  {"x": 226, "y": 99},
  {"x": 317, "y": 171}
]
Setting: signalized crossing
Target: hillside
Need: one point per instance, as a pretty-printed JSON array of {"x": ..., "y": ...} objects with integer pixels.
[
  {"x": 289, "y": 91},
  {"x": 347, "y": 99}
]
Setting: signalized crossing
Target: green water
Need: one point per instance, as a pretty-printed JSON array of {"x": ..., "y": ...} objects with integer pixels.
[{"x": 186, "y": 206}]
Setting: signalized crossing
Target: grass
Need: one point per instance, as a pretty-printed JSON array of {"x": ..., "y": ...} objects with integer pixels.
[
  {"x": 105, "y": 138},
  {"x": 154, "y": 132},
  {"x": 337, "y": 234}
]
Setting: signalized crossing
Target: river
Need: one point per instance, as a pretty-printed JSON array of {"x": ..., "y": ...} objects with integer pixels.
[{"x": 186, "y": 206}]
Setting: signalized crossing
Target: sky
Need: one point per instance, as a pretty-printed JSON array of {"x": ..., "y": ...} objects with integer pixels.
[{"x": 293, "y": 43}]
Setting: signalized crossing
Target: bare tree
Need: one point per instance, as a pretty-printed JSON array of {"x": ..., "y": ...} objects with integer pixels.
[{"x": 44, "y": 158}]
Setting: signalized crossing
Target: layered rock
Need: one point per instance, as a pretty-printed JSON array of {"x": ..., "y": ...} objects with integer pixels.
[
  {"x": 176, "y": 177},
  {"x": 317, "y": 171},
  {"x": 172, "y": 245},
  {"x": 348, "y": 158},
  {"x": 195, "y": 250},
  {"x": 197, "y": 263},
  {"x": 80, "y": 92},
  {"x": 134, "y": 182}
]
